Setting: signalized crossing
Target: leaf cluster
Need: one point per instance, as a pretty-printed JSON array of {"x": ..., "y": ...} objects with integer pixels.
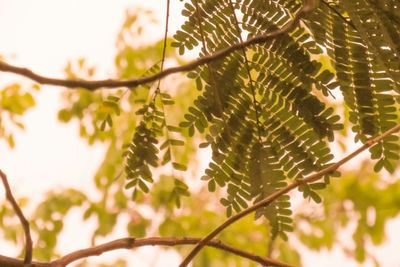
[
  {"x": 263, "y": 109},
  {"x": 14, "y": 102}
]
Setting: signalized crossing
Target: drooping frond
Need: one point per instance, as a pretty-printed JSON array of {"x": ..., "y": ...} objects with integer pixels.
[
  {"x": 142, "y": 153},
  {"x": 263, "y": 109},
  {"x": 361, "y": 38},
  {"x": 266, "y": 121}
]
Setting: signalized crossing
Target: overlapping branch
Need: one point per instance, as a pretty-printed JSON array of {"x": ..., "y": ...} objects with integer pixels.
[
  {"x": 130, "y": 243},
  {"x": 123, "y": 243},
  {"x": 266, "y": 201},
  {"x": 132, "y": 83}
]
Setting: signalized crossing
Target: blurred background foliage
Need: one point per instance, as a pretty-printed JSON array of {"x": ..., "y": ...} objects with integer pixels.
[
  {"x": 360, "y": 196},
  {"x": 15, "y": 100}
]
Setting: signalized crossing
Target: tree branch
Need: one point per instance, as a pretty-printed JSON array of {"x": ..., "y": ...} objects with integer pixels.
[
  {"x": 110, "y": 83},
  {"x": 15, "y": 262},
  {"x": 274, "y": 196},
  {"x": 129, "y": 243},
  {"x": 24, "y": 222}
]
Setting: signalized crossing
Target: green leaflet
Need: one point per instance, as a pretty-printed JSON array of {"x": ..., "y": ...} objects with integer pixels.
[
  {"x": 363, "y": 50},
  {"x": 14, "y": 102},
  {"x": 260, "y": 97},
  {"x": 263, "y": 109}
]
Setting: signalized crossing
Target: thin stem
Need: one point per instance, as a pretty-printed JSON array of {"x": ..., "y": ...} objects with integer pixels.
[
  {"x": 165, "y": 43},
  {"x": 158, "y": 90},
  {"x": 24, "y": 222}
]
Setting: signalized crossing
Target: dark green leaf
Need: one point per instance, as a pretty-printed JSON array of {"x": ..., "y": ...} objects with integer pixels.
[
  {"x": 179, "y": 167},
  {"x": 143, "y": 186},
  {"x": 211, "y": 186}
]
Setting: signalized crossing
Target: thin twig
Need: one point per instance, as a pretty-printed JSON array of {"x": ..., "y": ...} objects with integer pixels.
[
  {"x": 165, "y": 38},
  {"x": 158, "y": 91},
  {"x": 24, "y": 222},
  {"x": 274, "y": 196},
  {"x": 110, "y": 83}
]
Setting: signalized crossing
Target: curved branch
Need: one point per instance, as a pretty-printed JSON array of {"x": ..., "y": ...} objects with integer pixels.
[
  {"x": 110, "y": 83},
  {"x": 129, "y": 243},
  {"x": 274, "y": 196},
  {"x": 24, "y": 222}
]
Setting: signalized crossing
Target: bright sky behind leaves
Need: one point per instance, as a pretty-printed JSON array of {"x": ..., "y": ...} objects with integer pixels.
[{"x": 43, "y": 35}]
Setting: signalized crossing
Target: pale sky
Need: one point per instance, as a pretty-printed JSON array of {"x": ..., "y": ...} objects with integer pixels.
[{"x": 43, "y": 35}]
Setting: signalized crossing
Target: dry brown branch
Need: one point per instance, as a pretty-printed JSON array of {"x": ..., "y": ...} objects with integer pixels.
[
  {"x": 132, "y": 83},
  {"x": 24, "y": 222},
  {"x": 15, "y": 262},
  {"x": 129, "y": 243},
  {"x": 274, "y": 196}
]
